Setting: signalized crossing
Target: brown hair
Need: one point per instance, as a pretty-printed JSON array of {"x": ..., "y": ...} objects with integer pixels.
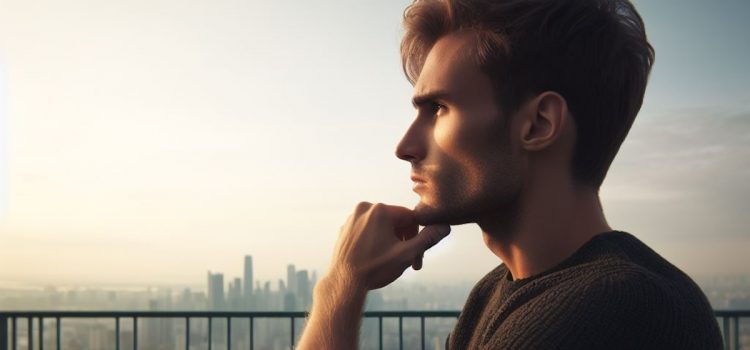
[{"x": 592, "y": 52}]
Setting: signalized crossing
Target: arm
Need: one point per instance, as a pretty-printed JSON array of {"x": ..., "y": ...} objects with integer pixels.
[{"x": 375, "y": 246}]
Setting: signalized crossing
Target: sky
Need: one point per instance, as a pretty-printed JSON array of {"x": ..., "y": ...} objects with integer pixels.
[{"x": 146, "y": 142}]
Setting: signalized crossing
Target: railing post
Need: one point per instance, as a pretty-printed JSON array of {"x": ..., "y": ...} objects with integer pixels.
[
  {"x": 421, "y": 327},
  {"x": 380, "y": 332},
  {"x": 291, "y": 341},
  {"x": 187, "y": 333},
  {"x": 57, "y": 333},
  {"x": 210, "y": 334},
  {"x": 725, "y": 332},
  {"x": 3, "y": 333},
  {"x": 135, "y": 333},
  {"x": 229, "y": 333},
  {"x": 117, "y": 333},
  {"x": 41, "y": 333},
  {"x": 30, "y": 332},
  {"x": 252, "y": 345},
  {"x": 736, "y": 332},
  {"x": 400, "y": 333}
]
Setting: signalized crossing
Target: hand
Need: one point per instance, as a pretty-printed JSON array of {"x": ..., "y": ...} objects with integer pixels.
[{"x": 377, "y": 243}]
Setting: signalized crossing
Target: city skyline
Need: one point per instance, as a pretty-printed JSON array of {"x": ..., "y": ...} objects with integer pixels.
[
  {"x": 234, "y": 293},
  {"x": 144, "y": 141}
]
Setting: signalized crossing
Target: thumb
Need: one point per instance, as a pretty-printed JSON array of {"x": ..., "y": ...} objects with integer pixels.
[{"x": 427, "y": 238}]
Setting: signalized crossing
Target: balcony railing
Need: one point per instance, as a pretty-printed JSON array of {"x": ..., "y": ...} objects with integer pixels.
[
  {"x": 729, "y": 322},
  {"x": 9, "y": 324}
]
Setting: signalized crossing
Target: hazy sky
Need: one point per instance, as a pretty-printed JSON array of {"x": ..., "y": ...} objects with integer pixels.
[{"x": 150, "y": 141}]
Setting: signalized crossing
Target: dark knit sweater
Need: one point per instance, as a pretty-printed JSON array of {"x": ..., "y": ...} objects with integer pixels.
[{"x": 613, "y": 293}]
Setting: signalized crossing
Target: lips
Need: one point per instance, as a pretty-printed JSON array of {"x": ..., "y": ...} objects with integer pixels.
[
  {"x": 417, "y": 178},
  {"x": 420, "y": 183}
]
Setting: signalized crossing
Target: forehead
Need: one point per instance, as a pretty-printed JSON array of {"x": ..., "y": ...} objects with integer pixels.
[{"x": 449, "y": 67}]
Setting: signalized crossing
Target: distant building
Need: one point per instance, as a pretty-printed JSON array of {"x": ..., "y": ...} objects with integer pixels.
[
  {"x": 247, "y": 289},
  {"x": 158, "y": 334},
  {"x": 234, "y": 297},
  {"x": 282, "y": 287},
  {"x": 304, "y": 293},
  {"x": 216, "y": 291},
  {"x": 185, "y": 300},
  {"x": 267, "y": 296},
  {"x": 291, "y": 279},
  {"x": 290, "y": 302}
]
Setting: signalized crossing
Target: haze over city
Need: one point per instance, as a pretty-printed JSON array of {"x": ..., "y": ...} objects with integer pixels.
[{"x": 145, "y": 142}]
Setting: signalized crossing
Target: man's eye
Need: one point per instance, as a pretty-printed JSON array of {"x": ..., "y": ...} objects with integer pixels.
[{"x": 436, "y": 107}]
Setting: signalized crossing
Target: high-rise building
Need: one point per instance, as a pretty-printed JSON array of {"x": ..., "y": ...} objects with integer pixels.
[
  {"x": 258, "y": 297},
  {"x": 234, "y": 297},
  {"x": 282, "y": 287},
  {"x": 247, "y": 291},
  {"x": 216, "y": 291},
  {"x": 185, "y": 301},
  {"x": 291, "y": 279},
  {"x": 304, "y": 293},
  {"x": 216, "y": 301},
  {"x": 290, "y": 303},
  {"x": 158, "y": 333}
]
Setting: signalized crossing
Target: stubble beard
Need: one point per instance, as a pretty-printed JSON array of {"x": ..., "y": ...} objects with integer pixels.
[
  {"x": 488, "y": 194},
  {"x": 499, "y": 205}
]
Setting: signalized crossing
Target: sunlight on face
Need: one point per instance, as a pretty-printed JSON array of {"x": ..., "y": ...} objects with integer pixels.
[{"x": 457, "y": 145}]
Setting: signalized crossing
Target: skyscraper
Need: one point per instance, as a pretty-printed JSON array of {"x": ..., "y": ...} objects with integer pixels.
[
  {"x": 215, "y": 291},
  {"x": 291, "y": 279},
  {"x": 304, "y": 293},
  {"x": 234, "y": 297},
  {"x": 290, "y": 302},
  {"x": 248, "y": 284},
  {"x": 216, "y": 301}
]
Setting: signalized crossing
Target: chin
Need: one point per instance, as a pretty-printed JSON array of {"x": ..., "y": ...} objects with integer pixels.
[{"x": 427, "y": 214}]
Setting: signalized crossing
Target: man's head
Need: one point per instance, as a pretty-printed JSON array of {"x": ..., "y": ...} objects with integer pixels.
[{"x": 500, "y": 85}]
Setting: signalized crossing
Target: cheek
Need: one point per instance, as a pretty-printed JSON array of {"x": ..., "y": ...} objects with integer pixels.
[
  {"x": 453, "y": 138},
  {"x": 465, "y": 151}
]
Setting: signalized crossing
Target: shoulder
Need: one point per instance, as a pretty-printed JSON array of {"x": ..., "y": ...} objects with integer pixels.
[{"x": 624, "y": 305}]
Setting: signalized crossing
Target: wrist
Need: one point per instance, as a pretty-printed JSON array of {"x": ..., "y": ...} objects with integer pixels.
[
  {"x": 336, "y": 315},
  {"x": 340, "y": 289}
]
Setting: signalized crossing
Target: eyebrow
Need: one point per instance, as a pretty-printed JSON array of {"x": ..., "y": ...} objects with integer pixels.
[{"x": 421, "y": 99}]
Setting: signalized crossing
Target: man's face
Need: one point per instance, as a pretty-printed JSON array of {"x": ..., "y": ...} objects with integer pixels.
[{"x": 463, "y": 165}]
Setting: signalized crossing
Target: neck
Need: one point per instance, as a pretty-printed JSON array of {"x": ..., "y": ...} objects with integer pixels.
[{"x": 552, "y": 222}]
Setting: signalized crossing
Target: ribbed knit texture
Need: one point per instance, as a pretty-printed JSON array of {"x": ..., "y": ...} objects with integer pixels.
[{"x": 613, "y": 293}]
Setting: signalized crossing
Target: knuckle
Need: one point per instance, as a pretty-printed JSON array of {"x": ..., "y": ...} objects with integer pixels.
[
  {"x": 362, "y": 207},
  {"x": 432, "y": 240},
  {"x": 377, "y": 209}
]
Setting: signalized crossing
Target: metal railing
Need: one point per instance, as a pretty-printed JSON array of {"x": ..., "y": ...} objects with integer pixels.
[
  {"x": 729, "y": 321},
  {"x": 10, "y": 319}
]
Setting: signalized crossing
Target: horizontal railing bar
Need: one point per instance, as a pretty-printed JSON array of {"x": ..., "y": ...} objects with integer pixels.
[
  {"x": 205, "y": 314},
  {"x": 154, "y": 314},
  {"x": 13, "y": 315},
  {"x": 728, "y": 317},
  {"x": 732, "y": 313}
]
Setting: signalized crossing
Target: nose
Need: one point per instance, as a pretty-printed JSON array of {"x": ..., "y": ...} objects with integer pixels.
[{"x": 412, "y": 147}]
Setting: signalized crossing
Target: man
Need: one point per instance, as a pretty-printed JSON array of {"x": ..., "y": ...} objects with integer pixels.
[{"x": 521, "y": 108}]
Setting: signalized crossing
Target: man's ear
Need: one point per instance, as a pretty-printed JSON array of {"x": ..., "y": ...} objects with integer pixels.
[{"x": 544, "y": 121}]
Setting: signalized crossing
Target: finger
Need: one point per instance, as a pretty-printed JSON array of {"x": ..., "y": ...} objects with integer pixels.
[
  {"x": 400, "y": 219},
  {"x": 417, "y": 265},
  {"x": 399, "y": 216},
  {"x": 361, "y": 208},
  {"x": 427, "y": 238}
]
